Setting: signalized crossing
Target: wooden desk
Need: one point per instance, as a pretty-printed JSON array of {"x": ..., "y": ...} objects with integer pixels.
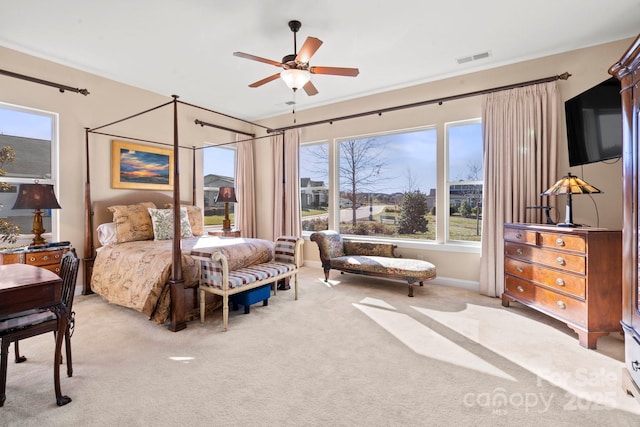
[{"x": 25, "y": 287}]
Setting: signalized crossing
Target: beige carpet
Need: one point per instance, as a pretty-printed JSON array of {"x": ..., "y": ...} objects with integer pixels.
[{"x": 355, "y": 352}]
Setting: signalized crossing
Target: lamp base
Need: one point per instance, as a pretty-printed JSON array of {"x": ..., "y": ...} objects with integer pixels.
[
  {"x": 568, "y": 224},
  {"x": 226, "y": 225},
  {"x": 38, "y": 229}
]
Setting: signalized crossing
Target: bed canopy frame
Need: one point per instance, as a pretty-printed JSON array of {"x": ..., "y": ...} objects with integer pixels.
[{"x": 176, "y": 281}]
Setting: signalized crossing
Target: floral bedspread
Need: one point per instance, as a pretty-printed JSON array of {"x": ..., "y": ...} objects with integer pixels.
[{"x": 136, "y": 274}]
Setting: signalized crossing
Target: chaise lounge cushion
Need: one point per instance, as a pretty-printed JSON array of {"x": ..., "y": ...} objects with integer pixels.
[{"x": 404, "y": 268}]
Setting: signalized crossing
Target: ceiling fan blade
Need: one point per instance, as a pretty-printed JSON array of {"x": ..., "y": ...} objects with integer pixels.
[
  {"x": 310, "y": 88},
  {"x": 265, "y": 80},
  {"x": 311, "y": 44},
  {"x": 337, "y": 71},
  {"x": 257, "y": 58}
]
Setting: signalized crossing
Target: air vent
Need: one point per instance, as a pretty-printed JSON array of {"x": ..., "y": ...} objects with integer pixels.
[{"x": 475, "y": 57}]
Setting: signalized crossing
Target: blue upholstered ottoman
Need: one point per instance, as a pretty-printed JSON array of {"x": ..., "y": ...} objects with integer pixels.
[{"x": 249, "y": 297}]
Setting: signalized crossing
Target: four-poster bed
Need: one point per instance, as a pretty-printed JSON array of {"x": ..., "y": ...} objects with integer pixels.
[{"x": 173, "y": 292}]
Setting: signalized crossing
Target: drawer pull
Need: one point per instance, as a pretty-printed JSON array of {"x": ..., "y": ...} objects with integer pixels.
[
  {"x": 559, "y": 241},
  {"x": 561, "y": 305},
  {"x": 32, "y": 258},
  {"x": 559, "y": 281},
  {"x": 45, "y": 258},
  {"x": 57, "y": 256},
  {"x": 520, "y": 288},
  {"x": 520, "y": 270},
  {"x": 518, "y": 236},
  {"x": 560, "y": 260},
  {"x": 519, "y": 251}
]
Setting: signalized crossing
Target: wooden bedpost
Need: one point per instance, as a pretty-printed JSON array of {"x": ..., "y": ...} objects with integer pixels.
[
  {"x": 87, "y": 260},
  {"x": 176, "y": 281}
]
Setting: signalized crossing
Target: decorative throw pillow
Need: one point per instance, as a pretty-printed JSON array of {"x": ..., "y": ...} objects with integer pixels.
[
  {"x": 162, "y": 220},
  {"x": 107, "y": 233},
  {"x": 196, "y": 219},
  {"x": 132, "y": 222}
]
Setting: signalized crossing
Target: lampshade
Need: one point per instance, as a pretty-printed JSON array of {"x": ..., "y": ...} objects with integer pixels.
[
  {"x": 226, "y": 194},
  {"x": 295, "y": 78},
  {"x": 36, "y": 196},
  {"x": 569, "y": 185}
]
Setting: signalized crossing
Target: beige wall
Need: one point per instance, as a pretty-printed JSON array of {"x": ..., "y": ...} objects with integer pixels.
[{"x": 111, "y": 101}]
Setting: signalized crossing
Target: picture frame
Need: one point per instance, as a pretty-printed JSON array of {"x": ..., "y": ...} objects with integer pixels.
[{"x": 141, "y": 167}]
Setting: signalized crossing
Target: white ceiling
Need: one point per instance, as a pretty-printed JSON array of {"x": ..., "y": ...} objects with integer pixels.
[{"x": 185, "y": 47}]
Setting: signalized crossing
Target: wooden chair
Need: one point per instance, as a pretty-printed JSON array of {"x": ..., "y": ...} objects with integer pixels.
[{"x": 34, "y": 322}]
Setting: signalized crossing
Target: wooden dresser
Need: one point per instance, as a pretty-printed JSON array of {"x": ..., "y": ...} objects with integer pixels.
[
  {"x": 571, "y": 274},
  {"x": 48, "y": 257}
]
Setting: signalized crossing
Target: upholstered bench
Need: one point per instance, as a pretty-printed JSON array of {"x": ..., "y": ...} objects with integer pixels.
[
  {"x": 372, "y": 259},
  {"x": 217, "y": 279}
]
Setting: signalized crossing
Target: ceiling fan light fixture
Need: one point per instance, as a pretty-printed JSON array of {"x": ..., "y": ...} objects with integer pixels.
[{"x": 295, "y": 78}]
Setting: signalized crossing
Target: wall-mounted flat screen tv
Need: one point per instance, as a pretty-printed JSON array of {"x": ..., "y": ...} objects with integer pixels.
[{"x": 594, "y": 124}]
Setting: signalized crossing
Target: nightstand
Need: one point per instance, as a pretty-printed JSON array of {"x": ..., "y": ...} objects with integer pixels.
[
  {"x": 225, "y": 233},
  {"x": 48, "y": 256}
]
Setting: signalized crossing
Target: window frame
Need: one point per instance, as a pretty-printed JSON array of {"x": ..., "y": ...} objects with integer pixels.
[
  {"x": 52, "y": 235},
  {"x": 449, "y": 183},
  {"x": 441, "y": 242},
  {"x": 232, "y": 147}
]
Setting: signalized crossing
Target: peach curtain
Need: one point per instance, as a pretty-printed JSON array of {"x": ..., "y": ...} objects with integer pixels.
[
  {"x": 286, "y": 215},
  {"x": 245, "y": 219},
  {"x": 521, "y": 131}
]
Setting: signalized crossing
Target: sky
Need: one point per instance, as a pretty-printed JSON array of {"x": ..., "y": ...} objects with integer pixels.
[
  {"x": 414, "y": 153},
  {"x": 17, "y": 123}
]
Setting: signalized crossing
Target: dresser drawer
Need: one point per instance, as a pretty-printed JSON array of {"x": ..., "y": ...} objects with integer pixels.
[
  {"x": 44, "y": 258},
  {"x": 522, "y": 236},
  {"x": 555, "y": 279},
  {"x": 563, "y": 241},
  {"x": 559, "y": 305},
  {"x": 549, "y": 258}
]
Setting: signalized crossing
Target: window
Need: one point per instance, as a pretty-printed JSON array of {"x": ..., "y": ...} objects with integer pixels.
[
  {"x": 219, "y": 168},
  {"x": 32, "y": 137},
  {"x": 388, "y": 184},
  {"x": 314, "y": 186},
  {"x": 464, "y": 180}
]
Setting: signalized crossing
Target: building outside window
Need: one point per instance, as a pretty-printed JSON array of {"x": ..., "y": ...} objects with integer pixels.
[
  {"x": 219, "y": 167},
  {"x": 32, "y": 136}
]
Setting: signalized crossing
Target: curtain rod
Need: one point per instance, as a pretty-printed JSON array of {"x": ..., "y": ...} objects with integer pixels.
[
  {"x": 563, "y": 76},
  {"x": 60, "y": 87},
  {"x": 201, "y": 123}
]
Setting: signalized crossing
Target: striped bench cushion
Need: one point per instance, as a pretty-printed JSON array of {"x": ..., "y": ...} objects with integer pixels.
[{"x": 212, "y": 274}]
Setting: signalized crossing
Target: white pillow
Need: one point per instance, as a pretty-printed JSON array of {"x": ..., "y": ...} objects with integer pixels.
[
  {"x": 107, "y": 233},
  {"x": 162, "y": 220}
]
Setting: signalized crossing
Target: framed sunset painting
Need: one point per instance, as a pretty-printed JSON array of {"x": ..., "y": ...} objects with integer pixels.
[{"x": 141, "y": 167}]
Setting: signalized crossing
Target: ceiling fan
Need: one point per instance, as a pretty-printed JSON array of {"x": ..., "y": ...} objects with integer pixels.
[{"x": 296, "y": 71}]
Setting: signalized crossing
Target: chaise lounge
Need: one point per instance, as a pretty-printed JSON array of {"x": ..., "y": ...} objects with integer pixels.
[{"x": 372, "y": 259}]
